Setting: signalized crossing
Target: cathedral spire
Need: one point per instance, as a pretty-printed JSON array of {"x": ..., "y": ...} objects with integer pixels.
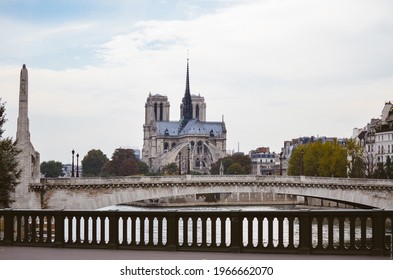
[{"x": 187, "y": 103}]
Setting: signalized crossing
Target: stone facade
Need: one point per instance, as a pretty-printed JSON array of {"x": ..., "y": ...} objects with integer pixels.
[
  {"x": 29, "y": 158},
  {"x": 377, "y": 138},
  {"x": 191, "y": 142}
]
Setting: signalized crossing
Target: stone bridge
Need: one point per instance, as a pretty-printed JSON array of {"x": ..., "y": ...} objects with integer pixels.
[{"x": 93, "y": 193}]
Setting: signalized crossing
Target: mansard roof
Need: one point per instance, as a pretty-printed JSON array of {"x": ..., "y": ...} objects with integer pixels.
[{"x": 193, "y": 127}]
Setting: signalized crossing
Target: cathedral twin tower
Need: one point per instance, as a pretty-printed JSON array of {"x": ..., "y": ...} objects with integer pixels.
[{"x": 191, "y": 142}]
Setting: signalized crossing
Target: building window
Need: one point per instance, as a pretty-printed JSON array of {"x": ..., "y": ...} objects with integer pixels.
[{"x": 161, "y": 111}]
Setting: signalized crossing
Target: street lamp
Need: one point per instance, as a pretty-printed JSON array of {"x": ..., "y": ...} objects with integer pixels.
[
  {"x": 77, "y": 165},
  {"x": 189, "y": 163},
  {"x": 281, "y": 164},
  {"x": 180, "y": 163},
  {"x": 302, "y": 163},
  {"x": 72, "y": 166}
]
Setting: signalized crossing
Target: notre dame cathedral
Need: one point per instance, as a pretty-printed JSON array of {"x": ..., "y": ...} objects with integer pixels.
[{"x": 191, "y": 142}]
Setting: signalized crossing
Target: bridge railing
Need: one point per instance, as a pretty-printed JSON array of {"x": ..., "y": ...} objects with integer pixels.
[{"x": 295, "y": 231}]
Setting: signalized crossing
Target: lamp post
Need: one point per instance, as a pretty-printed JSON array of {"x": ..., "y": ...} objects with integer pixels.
[
  {"x": 281, "y": 164},
  {"x": 77, "y": 165},
  {"x": 189, "y": 163},
  {"x": 180, "y": 163},
  {"x": 302, "y": 163},
  {"x": 72, "y": 166}
]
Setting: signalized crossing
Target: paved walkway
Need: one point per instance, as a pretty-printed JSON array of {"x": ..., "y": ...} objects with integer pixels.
[{"x": 39, "y": 253}]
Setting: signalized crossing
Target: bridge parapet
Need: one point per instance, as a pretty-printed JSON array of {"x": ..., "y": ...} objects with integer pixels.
[
  {"x": 93, "y": 193},
  {"x": 320, "y": 182}
]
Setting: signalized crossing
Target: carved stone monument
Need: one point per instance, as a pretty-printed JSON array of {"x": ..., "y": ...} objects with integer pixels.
[{"x": 29, "y": 159}]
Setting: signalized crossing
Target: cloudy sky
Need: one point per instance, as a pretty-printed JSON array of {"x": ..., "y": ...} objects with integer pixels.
[{"x": 275, "y": 69}]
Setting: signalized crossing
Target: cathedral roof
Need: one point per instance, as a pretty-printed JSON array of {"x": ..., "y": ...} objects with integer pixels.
[{"x": 193, "y": 127}]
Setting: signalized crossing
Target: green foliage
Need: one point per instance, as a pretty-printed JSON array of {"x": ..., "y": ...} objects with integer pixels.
[
  {"x": 9, "y": 170},
  {"x": 388, "y": 168},
  {"x": 93, "y": 162},
  {"x": 235, "y": 164},
  {"x": 143, "y": 168},
  {"x": 52, "y": 169},
  {"x": 122, "y": 163},
  {"x": 356, "y": 162},
  {"x": 319, "y": 159},
  {"x": 170, "y": 169}
]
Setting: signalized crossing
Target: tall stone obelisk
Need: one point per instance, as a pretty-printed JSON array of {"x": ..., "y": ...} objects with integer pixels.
[{"x": 29, "y": 159}]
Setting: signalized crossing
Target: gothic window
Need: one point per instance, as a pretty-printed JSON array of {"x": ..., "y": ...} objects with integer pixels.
[
  {"x": 161, "y": 111},
  {"x": 166, "y": 146},
  {"x": 173, "y": 144},
  {"x": 166, "y": 132},
  {"x": 211, "y": 133}
]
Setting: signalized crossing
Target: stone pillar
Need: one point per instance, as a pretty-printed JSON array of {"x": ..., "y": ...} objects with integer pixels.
[{"x": 29, "y": 159}]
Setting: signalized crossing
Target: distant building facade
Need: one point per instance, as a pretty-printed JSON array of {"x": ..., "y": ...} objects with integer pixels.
[
  {"x": 191, "y": 142},
  {"x": 377, "y": 138}
]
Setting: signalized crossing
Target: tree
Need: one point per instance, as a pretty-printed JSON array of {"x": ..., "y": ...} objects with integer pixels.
[
  {"x": 93, "y": 162},
  {"x": 170, "y": 169},
  {"x": 236, "y": 168},
  {"x": 388, "y": 168},
  {"x": 122, "y": 163},
  {"x": 235, "y": 164},
  {"x": 52, "y": 169},
  {"x": 327, "y": 159},
  {"x": 356, "y": 160},
  {"x": 9, "y": 170},
  {"x": 143, "y": 168}
]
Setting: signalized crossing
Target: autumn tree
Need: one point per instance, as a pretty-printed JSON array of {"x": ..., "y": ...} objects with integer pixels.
[
  {"x": 327, "y": 159},
  {"x": 93, "y": 162},
  {"x": 9, "y": 170}
]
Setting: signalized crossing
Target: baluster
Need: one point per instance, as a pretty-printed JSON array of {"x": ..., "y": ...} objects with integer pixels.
[
  {"x": 249, "y": 231},
  {"x": 34, "y": 228}
]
